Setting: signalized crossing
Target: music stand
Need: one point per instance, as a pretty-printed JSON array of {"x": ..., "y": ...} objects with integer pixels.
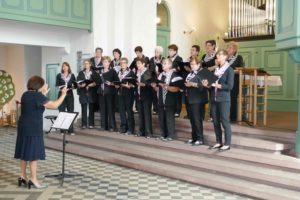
[{"x": 63, "y": 122}]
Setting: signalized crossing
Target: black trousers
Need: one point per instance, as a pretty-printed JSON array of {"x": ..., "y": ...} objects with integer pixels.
[
  {"x": 155, "y": 101},
  {"x": 196, "y": 119},
  {"x": 116, "y": 104},
  {"x": 68, "y": 105},
  {"x": 179, "y": 103},
  {"x": 220, "y": 113},
  {"x": 167, "y": 121},
  {"x": 187, "y": 106},
  {"x": 85, "y": 116},
  {"x": 108, "y": 120},
  {"x": 145, "y": 117},
  {"x": 126, "y": 113}
]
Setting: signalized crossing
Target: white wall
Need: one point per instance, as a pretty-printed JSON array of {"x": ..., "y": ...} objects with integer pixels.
[
  {"x": 126, "y": 24},
  {"x": 210, "y": 18}
]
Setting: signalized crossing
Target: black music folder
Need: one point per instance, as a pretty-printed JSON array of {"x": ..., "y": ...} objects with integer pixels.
[
  {"x": 130, "y": 80},
  {"x": 177, "y": 82},
  {"x": 205, "y": 74},
  {"x": 86, "y": 81}
]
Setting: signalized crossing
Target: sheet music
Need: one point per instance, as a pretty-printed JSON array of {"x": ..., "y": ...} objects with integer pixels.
[{"x": 64, "y": 120}]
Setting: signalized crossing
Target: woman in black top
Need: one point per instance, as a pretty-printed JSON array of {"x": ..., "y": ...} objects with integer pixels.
[
  {"x": 144, "y": 98},
  {"x": 126, "y": 98},
  {"x": 208, "y": 59},
  {"x": 30, "y": 142},
  {"x": 107, "y": 92},
  {"x": 66, "y": 78},
  {"x": 235, "y": 60},
  {"x": 87, "y": 79},
  {"x": 196, "y": 96},
  {"x": 167, "y": 97},
  {"x": 115, "y": 64}
]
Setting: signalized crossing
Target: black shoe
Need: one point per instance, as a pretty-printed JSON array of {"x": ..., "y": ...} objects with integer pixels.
[
  {"x": 22, "y": 181},
  {"x": 224, "y": 148},
  {"x": 122, "y": 131}
]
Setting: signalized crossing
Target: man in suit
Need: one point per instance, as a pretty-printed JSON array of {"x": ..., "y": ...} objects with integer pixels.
[
  {"x": 144, "y": 98},
  {"x": 167, "y": 96},
  {"x": 176, "y": 59}
]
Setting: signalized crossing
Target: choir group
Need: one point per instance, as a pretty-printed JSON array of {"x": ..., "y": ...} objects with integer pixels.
[{"x": 157, "y": 86}]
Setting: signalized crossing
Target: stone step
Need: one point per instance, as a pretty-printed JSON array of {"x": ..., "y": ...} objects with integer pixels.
[
  {"x": 230, "y": 184},
  {"x": 273, "y": 160},
  {"x": 261, "y": 132},
  {"x": 238, "y": 141},
  {"x": 275, "y": 177}
]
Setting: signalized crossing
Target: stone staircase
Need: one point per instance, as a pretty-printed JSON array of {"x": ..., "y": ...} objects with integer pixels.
[{"x": 254, "y": 167}]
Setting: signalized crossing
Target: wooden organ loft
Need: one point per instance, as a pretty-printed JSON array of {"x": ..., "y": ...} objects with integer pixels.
[{"x": 251, "y": 20}]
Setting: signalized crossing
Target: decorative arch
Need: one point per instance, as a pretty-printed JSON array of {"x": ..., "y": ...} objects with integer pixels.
[{"x": 163, "y": 26}]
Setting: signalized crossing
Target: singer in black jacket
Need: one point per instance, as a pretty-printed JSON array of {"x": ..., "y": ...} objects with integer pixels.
[
  {"x": 144, "y": 98},
  {"x": 96, "y": 65},
  {"x": 196, "y": 99},
  {"x": 87, "y": 93},
  {"x": 176, "y": 59},
  {"x": 66, "y": 77},
  {"x": 126, "y": 98},
  {"x": 167, "y": 97},
  {"x": 107, "y": 93}
]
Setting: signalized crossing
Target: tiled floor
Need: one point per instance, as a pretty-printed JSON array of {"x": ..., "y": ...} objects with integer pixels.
[{"x": 99, "y": 181}]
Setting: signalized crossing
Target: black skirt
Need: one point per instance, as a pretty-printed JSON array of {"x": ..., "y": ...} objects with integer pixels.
[{"x": 30, "y": 148}]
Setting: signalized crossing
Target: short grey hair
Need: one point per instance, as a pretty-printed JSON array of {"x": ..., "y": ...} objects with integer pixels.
[{"x": 159, "y": 49}]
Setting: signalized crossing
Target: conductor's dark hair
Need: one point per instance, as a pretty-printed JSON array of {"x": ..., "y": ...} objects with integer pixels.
[
  {"x": 118, "y": 51},
  {"x": 212, "y": 42},
  {"x": 35, "y": 83},
  {"x": 142, "y": 60},
  {"x": 138, "y": 48},
  {"x": 197, "y": 47},
  {"x": 173, "y": 46},
  {"x": 99, "y": 48},
  {"x": 68, "y": 65}
]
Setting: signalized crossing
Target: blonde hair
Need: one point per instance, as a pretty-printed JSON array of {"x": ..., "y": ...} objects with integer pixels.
[
  {"x": 106, "y": 58},
  {"x": 234, "y": 44}
]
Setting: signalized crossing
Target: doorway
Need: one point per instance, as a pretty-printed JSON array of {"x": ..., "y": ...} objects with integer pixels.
[{"x": 163, "y": 26}]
